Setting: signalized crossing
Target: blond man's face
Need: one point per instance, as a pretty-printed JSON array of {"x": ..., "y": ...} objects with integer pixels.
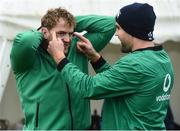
[{"x": 64, "y": 32}]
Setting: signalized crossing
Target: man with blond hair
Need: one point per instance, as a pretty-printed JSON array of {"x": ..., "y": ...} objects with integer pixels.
[{"x": 47, "y": 100}]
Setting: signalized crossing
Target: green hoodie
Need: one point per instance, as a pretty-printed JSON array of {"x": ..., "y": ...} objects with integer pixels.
[
  {"x": 136, "y": 89},
  {"x": 47, "y": 100}
]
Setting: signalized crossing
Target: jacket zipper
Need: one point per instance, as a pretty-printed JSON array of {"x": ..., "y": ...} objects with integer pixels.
[
  {"x": 37, "y": 114},
  {"x": 69, "y": 104}
]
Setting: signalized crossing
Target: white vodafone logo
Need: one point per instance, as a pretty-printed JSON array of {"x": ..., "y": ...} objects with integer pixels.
[{"x": 167, "y": 82}]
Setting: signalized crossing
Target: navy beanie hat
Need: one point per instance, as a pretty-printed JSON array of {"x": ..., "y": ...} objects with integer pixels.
[{"x": 138, "y": 20}]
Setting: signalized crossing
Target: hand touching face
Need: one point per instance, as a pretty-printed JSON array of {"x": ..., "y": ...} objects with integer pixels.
[{"x": 56, "y": 47}]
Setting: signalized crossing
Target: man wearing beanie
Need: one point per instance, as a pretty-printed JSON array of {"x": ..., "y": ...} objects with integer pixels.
[{"x": 136, "y": 89}]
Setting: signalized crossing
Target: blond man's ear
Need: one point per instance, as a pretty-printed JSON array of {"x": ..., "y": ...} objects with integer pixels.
[{"x": 45, "y": 32}]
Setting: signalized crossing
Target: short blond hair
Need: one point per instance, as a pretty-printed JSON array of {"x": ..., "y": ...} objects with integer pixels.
[{"x": 52, "y": 16}]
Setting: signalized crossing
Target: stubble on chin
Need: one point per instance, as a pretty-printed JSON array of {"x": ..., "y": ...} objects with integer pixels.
[{"x": 125, "y": 48}]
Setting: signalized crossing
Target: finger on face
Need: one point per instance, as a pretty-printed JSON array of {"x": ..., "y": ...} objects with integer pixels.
[
  {"x": 82, "y": 38},
  {"x": 53, "y": 34}
]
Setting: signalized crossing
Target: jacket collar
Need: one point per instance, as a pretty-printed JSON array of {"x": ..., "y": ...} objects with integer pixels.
[{"x": 155, "y": 48}]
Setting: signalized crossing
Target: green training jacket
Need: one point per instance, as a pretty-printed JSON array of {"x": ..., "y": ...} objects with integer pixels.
[
  {"x": 136, "y": 88},
  {"x": 47, "y": 100}
]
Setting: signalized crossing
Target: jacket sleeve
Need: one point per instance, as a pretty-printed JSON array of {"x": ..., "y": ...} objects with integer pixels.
[
  {"x": 100, "y": 29},
  {"x": 24, "y": 49},
  {"x": 120, "y": 79}
]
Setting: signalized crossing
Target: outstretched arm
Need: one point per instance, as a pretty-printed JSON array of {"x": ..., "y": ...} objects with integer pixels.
[{"x": 110, "y": 83}]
